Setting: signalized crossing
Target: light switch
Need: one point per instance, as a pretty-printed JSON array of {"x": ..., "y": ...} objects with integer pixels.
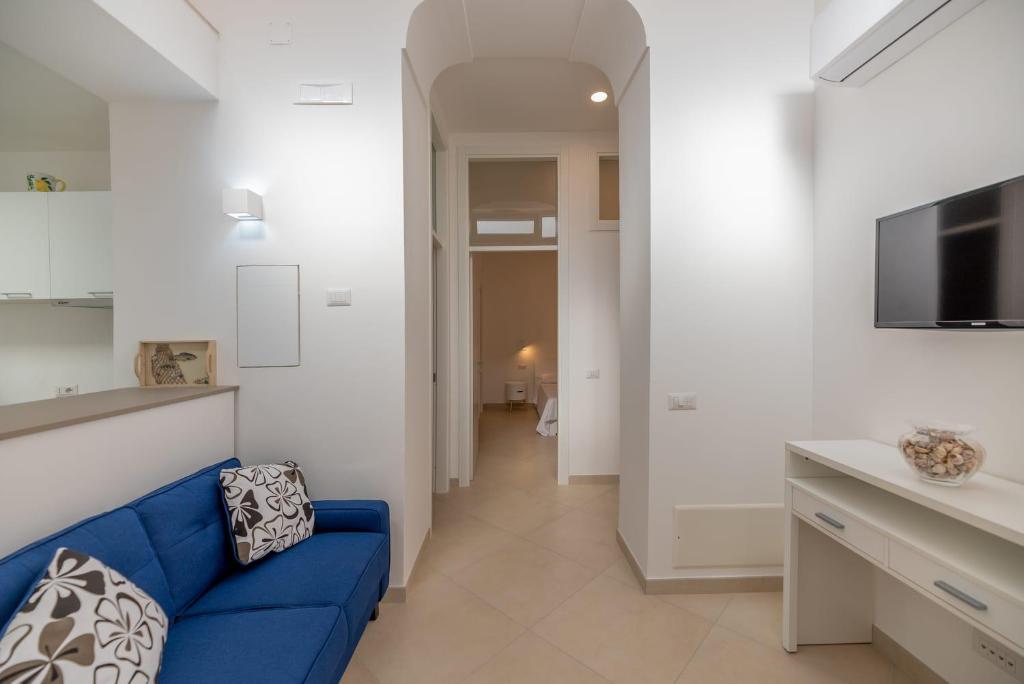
[
  {"x": 339, "y": 297},
  {"x": 593, "y": 374},
  {"x": 325, "y": 94},
  {"x": 684, "y": 401}
]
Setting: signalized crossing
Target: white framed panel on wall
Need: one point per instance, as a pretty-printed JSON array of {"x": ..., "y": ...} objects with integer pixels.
[{"x": 268, "y": 316}]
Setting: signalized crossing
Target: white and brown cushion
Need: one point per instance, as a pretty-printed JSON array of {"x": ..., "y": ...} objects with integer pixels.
[
  {"x": 84, "y": 622},
  {"x": 268, "y": 508}
]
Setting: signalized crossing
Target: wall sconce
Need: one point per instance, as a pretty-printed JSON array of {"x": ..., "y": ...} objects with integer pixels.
[{"x": 242, "y": 204}]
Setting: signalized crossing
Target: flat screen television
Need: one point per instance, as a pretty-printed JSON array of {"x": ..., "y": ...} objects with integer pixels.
[{"x": 956, "y": 263}]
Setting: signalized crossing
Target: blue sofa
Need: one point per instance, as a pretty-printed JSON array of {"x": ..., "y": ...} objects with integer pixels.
[{"x": 295, "y": 616}]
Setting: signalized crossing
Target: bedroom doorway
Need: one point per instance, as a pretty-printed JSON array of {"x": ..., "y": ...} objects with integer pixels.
[
  {"x": 515, "y": 352},
  {"x": 511, "y": 206}
]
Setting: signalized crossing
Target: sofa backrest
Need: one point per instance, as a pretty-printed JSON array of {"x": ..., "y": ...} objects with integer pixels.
[
  {"x": 116, "y": 538},
  {"x": 188, "y": 529}
]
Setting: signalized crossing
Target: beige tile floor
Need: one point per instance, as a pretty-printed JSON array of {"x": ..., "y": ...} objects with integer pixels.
[{"x": 522, "y": 582}]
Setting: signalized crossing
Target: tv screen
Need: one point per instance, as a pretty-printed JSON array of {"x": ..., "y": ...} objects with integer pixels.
[{"x": 955, "y": 263}]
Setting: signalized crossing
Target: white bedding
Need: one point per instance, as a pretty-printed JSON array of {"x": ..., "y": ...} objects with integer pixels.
[{"x": 547, "y": 408}]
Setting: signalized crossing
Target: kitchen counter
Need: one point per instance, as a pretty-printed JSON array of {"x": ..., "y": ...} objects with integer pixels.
[{"x": 31, "y": 417}]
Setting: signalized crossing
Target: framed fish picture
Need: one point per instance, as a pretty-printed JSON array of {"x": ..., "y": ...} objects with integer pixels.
[{"x": 177, "y": 364}]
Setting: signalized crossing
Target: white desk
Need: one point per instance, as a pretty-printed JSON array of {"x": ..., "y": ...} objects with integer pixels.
[{"x": 854, "y": 506}]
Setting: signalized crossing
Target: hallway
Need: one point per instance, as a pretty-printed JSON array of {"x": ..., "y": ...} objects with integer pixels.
[{"x": 523, "y": 581}]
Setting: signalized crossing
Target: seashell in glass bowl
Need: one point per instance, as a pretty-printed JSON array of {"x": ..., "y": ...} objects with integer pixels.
[{"x": 942, "y": 453}]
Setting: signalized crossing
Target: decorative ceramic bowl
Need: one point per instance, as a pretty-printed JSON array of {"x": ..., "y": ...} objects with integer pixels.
[{"x": 942, "y": 454}]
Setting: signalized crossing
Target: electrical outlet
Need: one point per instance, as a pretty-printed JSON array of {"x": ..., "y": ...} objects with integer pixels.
[
  {"x": 65, "y": 391},
  {"x": 999, "y": 655}
]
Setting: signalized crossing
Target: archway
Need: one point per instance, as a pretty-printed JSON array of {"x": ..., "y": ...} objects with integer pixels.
[{"x": 607, "y": 34}]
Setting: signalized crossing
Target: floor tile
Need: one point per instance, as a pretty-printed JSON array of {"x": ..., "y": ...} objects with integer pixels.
[
  {"x": 585, "y": 538},
  {"x": 441, "y": 634},
  {"x": 605, "y": 506},
  {"x": 460, "y": 542},
  {"x": 622, "y": 571},
  {"x": 623, "y": 635},
  {"x": 531, "y": 660},
  {"x": 726, "y": 657},
  {"x": 755, "y": 615},
  {"x": 524, "y": 581},
  {"x": 568, "y": 495},
  {"x": 517, "y": 512},
  {"x": 708, "y": 606}
]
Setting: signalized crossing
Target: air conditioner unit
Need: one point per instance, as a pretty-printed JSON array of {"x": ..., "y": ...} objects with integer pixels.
[{"x": 853, "y": 41}]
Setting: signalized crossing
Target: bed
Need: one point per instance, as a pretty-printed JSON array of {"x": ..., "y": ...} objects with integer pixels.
[{"x": 547, "y": 408}]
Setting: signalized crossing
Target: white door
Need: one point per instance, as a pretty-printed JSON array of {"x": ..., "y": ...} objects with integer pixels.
[
  {"x": 24, "y": 246},
  {"x": 81, "y": 245}
]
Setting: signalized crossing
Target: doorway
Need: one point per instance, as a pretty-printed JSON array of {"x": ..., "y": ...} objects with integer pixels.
[
  {"x": 515, "y": 352},
  {"x": 515, "y": 306}
]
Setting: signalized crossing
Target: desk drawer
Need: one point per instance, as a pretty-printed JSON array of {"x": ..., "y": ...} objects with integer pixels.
[
  {"x": 959, "y": 592},
  {"x": 840, "y": 524}
]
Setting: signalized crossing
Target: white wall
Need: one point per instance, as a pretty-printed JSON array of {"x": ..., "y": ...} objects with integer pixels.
[
  {"x": 731, "y": 239},
  {"x": 944, "y": 119},
  {"x": 418, "y": 333},
  {"x": 332, "y": 183},
  {"x": 592, "y": 407},
  {"x": 635, "y": 312},
  {"x": 43, "y": 346},
  {"x": 519, "y": 293},
  {"x": 94, "y": 467}
]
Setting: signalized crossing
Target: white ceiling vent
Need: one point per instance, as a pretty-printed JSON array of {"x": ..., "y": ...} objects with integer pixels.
[{"x": 855, "y": 40}]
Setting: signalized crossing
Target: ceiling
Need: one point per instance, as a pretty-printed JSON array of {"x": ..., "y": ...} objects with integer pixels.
[
  {"x": 516, "y": 95},
  {"x": 41, "y": 110},
  {"x": 607, "y": 34}
]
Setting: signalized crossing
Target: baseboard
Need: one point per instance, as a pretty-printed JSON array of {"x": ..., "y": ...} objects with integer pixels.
[
  {"x": 594, "y": 479},
  {"x": 398, "y": 594},
  {"x": 714, "y": 585},
  {"x": 394, "y": 595},
  {"x": 913, "y": 669},
  {"x": 698, "y": 585},
  {"x": 634, "y": 564}
]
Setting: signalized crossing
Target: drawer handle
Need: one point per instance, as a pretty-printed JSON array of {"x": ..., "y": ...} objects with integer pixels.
[
  {"x": 963, "y": 596},
  {"x": 17, "y": 295},
  {"x": 830, "y": 520}
]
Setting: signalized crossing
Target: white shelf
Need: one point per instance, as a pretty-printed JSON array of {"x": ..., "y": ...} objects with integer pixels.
[
  {"x": 987, "y": 558},
  {"x": 990, "y": 503}
]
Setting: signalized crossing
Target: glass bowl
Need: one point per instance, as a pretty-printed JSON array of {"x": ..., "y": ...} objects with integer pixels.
[{"x": 942, "y": 454}]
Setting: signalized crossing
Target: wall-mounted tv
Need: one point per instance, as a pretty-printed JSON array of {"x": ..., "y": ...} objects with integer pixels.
[{"x": 956, "y": 263}]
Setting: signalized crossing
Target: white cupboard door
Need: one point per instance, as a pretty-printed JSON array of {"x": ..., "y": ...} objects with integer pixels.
[
  {"x": 24, "y": 249},
  {"x": 81, "y": 245}
]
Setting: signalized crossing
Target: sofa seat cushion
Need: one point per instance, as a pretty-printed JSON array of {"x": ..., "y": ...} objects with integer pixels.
[
  {"x": 343, "y": 569},
  {"x": 259, "y": 646}
]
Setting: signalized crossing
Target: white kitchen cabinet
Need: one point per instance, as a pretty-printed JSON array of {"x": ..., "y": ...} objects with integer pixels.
[
  {"x": 24, "y": 246},
  {"x": 81, "y": 245}
]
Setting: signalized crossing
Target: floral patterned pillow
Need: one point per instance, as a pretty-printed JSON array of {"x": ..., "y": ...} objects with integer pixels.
[
  {"x": 268, "y": 509},
  {"x": 84, "y": 622}
]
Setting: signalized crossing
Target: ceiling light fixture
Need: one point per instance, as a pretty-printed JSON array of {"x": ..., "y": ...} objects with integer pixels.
[{"x": 598, "y": 96}]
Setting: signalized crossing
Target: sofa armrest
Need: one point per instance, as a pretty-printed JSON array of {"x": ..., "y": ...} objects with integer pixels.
[{"x": 351, "y": 516}]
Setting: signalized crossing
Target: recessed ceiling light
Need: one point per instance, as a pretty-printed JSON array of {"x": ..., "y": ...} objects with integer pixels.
[{"x": 599, "y": 96}]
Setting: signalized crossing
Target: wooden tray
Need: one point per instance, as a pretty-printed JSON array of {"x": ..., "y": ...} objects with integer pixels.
[{"x": 181, "y": 363}]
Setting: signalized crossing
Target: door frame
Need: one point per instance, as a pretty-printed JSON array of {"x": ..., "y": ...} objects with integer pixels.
[{"x": 463, "y": 344}]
